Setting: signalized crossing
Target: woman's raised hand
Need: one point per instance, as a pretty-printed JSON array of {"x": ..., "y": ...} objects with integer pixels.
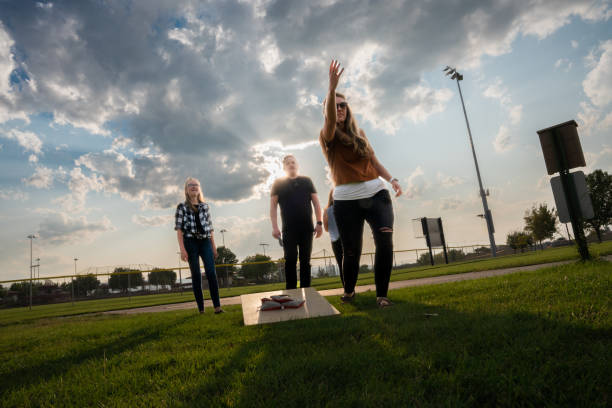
[{"x": 334, "y": 74}]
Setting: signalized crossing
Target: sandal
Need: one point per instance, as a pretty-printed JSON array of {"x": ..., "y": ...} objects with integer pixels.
[
  {"x": 219, "y": 311},
  {"x": 383, "y": 302},
  {"x": 347, "y": 299}
]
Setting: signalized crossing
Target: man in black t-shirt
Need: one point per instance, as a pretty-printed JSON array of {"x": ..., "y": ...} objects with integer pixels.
[{"x": 295, "y": 194}]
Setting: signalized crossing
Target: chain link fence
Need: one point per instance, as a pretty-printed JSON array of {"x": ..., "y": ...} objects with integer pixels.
[{"x": 144, "y": 279}]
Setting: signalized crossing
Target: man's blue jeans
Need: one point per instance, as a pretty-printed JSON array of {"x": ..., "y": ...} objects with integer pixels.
[{"x": 196, "y": 249}]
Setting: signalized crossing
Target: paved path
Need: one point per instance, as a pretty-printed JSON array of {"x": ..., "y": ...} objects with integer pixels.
[{"x": 235, "y": 300}]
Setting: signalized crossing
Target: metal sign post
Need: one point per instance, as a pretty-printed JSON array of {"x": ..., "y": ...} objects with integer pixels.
[
  {"x": 562, "y": 152},
  {"x": 443, "y": 240},
  {"x": 430, "y": 229},
  {"x": 426, "y": 232}
]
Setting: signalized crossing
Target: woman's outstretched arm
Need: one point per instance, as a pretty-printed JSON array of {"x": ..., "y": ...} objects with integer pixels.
[
  {"x": 382, "y": 172},
  {"x": 330, "y": 108}
]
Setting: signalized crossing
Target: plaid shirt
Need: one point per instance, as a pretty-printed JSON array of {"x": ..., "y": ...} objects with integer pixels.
[{"x": 185, "y": 221}]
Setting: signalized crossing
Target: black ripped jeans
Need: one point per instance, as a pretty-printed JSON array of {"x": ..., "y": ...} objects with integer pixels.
[{"x": 350, "y": 216}]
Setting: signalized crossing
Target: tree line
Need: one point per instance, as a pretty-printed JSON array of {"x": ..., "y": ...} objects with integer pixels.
[{"x": 542, "y": 222}]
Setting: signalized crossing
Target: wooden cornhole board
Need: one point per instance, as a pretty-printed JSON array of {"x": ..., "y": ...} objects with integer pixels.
[{"x": 315, "y": 305}]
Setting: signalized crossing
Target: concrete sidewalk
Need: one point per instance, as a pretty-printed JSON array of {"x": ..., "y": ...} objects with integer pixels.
[{"x": 235, "y": 300}]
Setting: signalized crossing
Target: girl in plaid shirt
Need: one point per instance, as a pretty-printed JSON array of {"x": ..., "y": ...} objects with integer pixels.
[{"x": 194, "y": 232}]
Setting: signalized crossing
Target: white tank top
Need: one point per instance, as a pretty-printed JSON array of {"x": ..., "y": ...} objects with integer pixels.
[{"x": 359, "y": 190}]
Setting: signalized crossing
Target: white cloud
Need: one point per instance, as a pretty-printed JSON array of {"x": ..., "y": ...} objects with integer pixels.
[
  {"x": 589, "y": 117},
  {"x": 597, "y": 84},
  {"x": 543, "y": 183},
  {"x": 547, "y": 17},
  {"x": 598, "y": 88},
  {"x": 425, "y": 102},
  {"x": 79, "y": 184},
  {"x": 449, "y": 181},
  {"x": 42, "y": 178},
  {"x": 416, "y": 184},
  {"x": 59, "y": 229},
  {"x": 606, "y": 123},
  {"x": 243, "y": 233},
  {"x": 503, "y": 140},
  {"x": 450, "y": 203},
  {"x": 269, "y": 54},
  {"x": 10, "y": 194},
  {"x": 598, "y": 159},
  {"x": 574, "y": 43},
  {"x": 29, "y": 141},
  {"x": 153, "y": 221},
  {"x": 498, "y": 91},
  {"x": 243, "y": 73},
  {"x": 564, "y": 62},
  {"x": 7, "y": 64},
  {"x": 515, "y": 114}
]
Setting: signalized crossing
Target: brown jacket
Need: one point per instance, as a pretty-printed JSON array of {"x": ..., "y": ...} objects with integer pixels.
[{"x": 346, "y": 165}]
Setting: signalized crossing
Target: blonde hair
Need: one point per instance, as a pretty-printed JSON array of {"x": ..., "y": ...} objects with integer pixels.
[
  {"x": 330, "y": 200},
  {"x": 200, "y": 195},
  {"x": 351, "y": 134}
]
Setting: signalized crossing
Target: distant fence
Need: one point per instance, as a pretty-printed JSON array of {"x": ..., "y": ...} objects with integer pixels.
[{"x": 61, "y": 288}]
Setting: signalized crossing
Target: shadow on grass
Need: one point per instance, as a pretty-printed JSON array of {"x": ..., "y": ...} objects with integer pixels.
[
  {"x": 54, "y": 368},
  {"x": 412, "y": 355}
]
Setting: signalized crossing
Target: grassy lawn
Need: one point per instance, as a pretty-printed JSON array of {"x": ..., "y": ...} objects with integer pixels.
[
  {"x": 529, "y": 339},
  {"x": 8, "y": 316}
]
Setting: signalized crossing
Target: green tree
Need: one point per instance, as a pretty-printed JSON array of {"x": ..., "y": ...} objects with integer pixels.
[
  {"x": 84, "y": 284},
  {"x": 3, "y": 291},
  {"x": 226, "y": 256},
  {"x": 259, "y": 271},
  {"x": 120, "y": 281},
  {"x": 541, "y": 222},
  {"x": 452, "y": 254},
  {"x": 160, "y": 276},
  {"x": 24, "y": 288},
  {"x": 518, "y": 240},
  {"x": 482, "y": 250},
  {"x": 364, "y": 269},
  {"x": 424, "y": 259},
  {"x": 599, "y": 184}
]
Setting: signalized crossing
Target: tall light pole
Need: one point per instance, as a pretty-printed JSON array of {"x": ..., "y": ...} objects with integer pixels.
[
  {"x": 38, "y": 267},
  {"x": 223, "y": 231},
  {"x": 31, "y": 237},
  {"x": 264, "y": 245},
  {"x": 75, "y": 261},
  {"x": 487, "y": 213}
]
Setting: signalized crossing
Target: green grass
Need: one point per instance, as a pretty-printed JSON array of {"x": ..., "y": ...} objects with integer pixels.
[
  {"x": 8, "y": 316},
  {"x": 541, "y": 338}
]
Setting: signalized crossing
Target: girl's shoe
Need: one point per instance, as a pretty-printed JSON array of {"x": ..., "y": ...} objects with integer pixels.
[
  {"x": 383, "y": 302},
  {"x": 347, "y": 298}
]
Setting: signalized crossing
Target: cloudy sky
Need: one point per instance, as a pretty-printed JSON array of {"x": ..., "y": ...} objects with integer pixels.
[{"x": 107, "y": 106}]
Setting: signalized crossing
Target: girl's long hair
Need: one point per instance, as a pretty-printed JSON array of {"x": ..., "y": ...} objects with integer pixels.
[
  {"x": 330, "y": 200},
  {"x": 351, "y": 134},
  {"x": 200, "y": 195}
]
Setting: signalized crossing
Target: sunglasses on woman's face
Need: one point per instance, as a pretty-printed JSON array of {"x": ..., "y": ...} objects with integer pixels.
[
  {"x": 341, "y": 105},
  {"x": 193, "y": 185}
]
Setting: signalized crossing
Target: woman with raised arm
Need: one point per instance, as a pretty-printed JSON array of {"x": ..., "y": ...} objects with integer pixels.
[
  {"x": 359, "y": 193},
  {"x": 194, "y": 231}
]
